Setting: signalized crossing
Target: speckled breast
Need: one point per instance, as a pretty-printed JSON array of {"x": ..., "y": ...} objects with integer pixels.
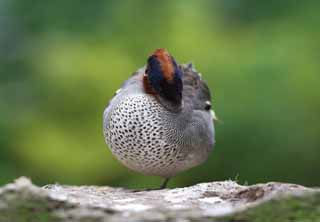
[{"x": 137, "y": 135}]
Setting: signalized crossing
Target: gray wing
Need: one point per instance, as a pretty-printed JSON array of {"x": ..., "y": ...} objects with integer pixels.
[
  {"x": 195, "y": 91},
  {"x": 200, "y": 133}
]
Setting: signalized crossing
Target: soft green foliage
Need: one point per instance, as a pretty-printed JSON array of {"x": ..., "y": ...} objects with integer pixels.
[{"x": 61, "y": 61}]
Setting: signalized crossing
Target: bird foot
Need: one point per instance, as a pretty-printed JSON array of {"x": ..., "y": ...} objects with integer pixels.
[
  {"x": 162, "y": 187},
  {"x": 146, "y": 189}
]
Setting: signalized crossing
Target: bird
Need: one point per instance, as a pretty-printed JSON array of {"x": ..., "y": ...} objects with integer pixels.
[{"x": 161, "y": 122}]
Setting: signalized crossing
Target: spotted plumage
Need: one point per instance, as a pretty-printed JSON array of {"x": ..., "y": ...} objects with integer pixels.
[{"x": 160, "y": 122}]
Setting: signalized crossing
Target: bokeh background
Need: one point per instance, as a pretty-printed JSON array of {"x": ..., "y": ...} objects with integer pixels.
[{"x": 61, "y": 61}]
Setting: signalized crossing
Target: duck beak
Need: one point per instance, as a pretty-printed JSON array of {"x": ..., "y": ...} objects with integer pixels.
[{"x": 214, "y": 116}]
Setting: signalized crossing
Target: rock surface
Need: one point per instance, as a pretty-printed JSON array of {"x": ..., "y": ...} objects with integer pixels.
[{"x": 216, "y": 201}]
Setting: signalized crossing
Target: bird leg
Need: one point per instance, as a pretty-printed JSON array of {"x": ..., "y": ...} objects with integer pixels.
[{"x": 164, "y": 184}]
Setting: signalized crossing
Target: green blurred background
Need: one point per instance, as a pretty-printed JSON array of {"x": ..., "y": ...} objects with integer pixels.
[{"x": 61, "y": 61}]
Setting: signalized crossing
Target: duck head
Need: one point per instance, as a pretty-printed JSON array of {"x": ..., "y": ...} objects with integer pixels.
[{"x": 164, "y": 76}]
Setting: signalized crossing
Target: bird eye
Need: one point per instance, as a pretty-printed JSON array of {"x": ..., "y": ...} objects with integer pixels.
[{"x": 208, "y": 105}]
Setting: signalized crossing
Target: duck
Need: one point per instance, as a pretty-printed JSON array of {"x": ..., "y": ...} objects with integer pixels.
[{"x": 161, "y": 122}]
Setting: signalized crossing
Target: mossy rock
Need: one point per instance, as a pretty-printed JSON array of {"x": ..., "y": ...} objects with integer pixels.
[{"x": 224, "y": 201}]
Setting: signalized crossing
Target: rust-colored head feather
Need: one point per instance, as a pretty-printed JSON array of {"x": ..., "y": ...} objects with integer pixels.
[{"x": 166, "y": 63}]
